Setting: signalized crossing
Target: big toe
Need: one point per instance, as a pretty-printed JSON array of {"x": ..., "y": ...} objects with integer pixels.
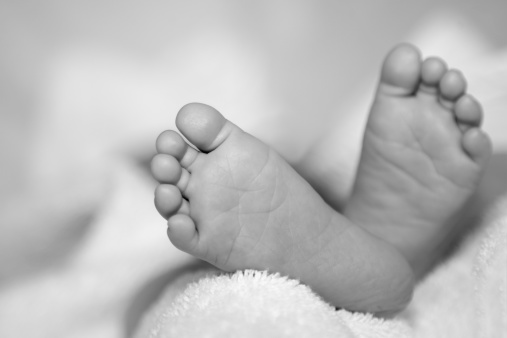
[
  {"x": 203, "y": 126},
  {"x": 401, "y": 71}
]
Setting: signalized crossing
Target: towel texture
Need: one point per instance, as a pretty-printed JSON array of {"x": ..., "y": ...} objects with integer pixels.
[{"x": 464, "y": 297}]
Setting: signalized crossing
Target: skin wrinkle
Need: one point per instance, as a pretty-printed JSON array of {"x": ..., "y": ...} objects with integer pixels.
[
  {"x": 426, "y": 151},
  {"x": 419, "y": 150},
  {"x": 435, "y": 166},
  {"x": 395, "y": 167},
  {"x": 223, "y": 135},
  {"x": 399, "y": 168},
  {"x": 259, "y": 240},
  {"x": 263, "y": 167},
  {"x": 372, "y": 130},
  {"x": 458, "y": 185},
  {"x": 295, "y": 245},
  {"x": 241, "y": 213},
  {"x": 449, "y": 179},
  {"x": 231, "y": 248},
  {"x": 314, "y": 258},
  {"x": 394, "y": 91},
  {"x": 273, "y": 207},
  {"x": 234, "y": 241},
  {"x": 239, "y": 229},
  {"x": 318, "y": 236},
  {"x": 238, "y": 213},
  {"x": 409, "y": 176}
]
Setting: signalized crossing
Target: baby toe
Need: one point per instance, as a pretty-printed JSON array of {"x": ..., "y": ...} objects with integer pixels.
[
  {"x": 432, "y": 71},
  {"x": 401, "y": 70},
  {"x": 468, "y": 111},
  {"x": 452, "y": 86},
  {"x": 165, "y": 168},
  {"x": 183, "y": 234},
  {"x": 478, "y": 145},
  {"x": 168, "y": 200},
  {"x": 171, "y": 143}
]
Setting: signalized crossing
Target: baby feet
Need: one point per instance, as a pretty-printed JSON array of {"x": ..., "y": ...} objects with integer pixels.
[
  {"x": 232, "y": 201},
  {"x": 423, "y": 155}
]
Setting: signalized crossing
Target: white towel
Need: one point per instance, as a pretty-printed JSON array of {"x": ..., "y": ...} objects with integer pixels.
[{"x": 465, "y": 297}]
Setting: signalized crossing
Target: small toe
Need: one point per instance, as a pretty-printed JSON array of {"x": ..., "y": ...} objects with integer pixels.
[
  {"x": 452, "y": 86},
  {"x": 168, "y": 200},
  {"x": 478, "y": 145},
  {"x": 401, "y": 71},
  {"x": 171, "y": 143},
  {"x": 468, "y": 111},
  {"x": 183, "y": 233},
  {"x": 432, "y": 72},
  {"x": 203, "y": 126},
  {"x": 165, "y": 168}
]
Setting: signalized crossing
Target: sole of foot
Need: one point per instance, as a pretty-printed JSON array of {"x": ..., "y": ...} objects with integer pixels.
[
  {"x": 232, "y": 201},
  {"x": 422, "y": 158}
]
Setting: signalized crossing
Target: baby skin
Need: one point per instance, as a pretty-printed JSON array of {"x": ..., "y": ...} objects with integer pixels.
[{"x": 232, "y": 201}]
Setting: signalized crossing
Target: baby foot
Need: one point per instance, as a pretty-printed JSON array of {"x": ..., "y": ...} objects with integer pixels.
[
  {"x": 235, "y": 203},
  {"x": 423, "y": 155}
]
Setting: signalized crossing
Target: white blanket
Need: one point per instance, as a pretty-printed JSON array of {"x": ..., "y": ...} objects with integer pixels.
[{"x": 465, "y": 297}]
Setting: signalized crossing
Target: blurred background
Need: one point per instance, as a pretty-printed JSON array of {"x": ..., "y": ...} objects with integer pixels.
[{"x": 86, "y": 87}]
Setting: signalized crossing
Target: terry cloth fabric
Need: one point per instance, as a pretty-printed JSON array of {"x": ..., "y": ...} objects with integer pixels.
[{"x": 465, "y": 297}]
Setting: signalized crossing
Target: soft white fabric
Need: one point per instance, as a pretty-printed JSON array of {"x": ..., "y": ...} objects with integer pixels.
[{"x": 465, "y": 297}]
